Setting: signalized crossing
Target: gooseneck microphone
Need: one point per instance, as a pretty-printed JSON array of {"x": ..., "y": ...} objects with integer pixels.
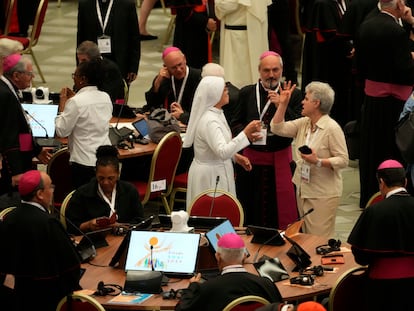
[
  {"x": 214, "y": 196},
  {"x": 92, "y": 252},
  {"x": 306, "y": 213},
  {"x": 151, "y": 257},
  {"x": 40, "y": 124},
  {"x": 280, "y": 233}
]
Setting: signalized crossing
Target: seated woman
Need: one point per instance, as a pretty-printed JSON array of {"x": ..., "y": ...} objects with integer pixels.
[{"x": 105, "y": 201}]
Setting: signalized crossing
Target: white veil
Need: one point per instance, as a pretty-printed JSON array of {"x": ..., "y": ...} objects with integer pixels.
[{"x": 208, "y": 93}]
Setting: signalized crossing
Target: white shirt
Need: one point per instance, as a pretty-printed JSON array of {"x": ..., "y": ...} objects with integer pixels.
[{"x": 85, "y": 121}]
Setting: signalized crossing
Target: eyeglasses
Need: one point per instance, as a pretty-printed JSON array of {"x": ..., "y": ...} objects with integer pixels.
[{"x": 29, "y": 73}]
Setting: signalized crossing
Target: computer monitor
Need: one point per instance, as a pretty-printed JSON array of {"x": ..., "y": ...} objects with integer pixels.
[
  {"x": 44, "y": 114},
  {"x": 169, "y": 252}
]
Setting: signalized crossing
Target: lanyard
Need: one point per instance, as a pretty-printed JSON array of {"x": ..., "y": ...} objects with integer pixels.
[
  {"x": 341, "y": 6},
  {"x": 110, "y": 203},
  {"x": 99, "y": 12},
  {"x": 258, "y": 101},
  {"x": 180, "y": 96}
]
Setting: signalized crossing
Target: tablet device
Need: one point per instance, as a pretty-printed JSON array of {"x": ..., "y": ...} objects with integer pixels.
[
  {"x": 142, "y": 127},
  {"x": 216, "y": 233},
  {"x": 268, "y": 236}
]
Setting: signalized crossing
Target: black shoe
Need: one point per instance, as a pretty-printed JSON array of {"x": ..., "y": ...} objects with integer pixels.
[{"x": 148, "y": 37}]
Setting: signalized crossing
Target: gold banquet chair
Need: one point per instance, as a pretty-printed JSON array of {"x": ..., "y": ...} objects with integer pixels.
[
  {"x": 179, "y": 185},
  {"x": 79, "y": 302},
  {"x": 34, "y": 34},
  {"x": 246, "y": 303},
  {"x": 375, "y": 198},
  {"x": 163, "y": 167},
  {"x": 4, "y": 212},
  {"x": 62, "y": 214},
  {"x": 348, "y": 289},
  {"x": 225, "y": 205},
  {"x": 59, "y": 171}
]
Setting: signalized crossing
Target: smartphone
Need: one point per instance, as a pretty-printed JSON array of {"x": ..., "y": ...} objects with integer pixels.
[
  {"x": 305, "y": 149},
  {"x": 103, "y": 221}
]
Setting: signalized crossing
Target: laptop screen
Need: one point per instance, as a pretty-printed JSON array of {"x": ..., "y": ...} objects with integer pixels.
[
  {"x": 44, "y": 114},
  {"x": 171, "y": 252},
  {"x": 215, "y": 234}
]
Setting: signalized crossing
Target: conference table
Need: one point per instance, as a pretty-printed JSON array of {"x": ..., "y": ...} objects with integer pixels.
[
  {"x": 98, "y": 270},
  {"x": 138, "y": 150}
]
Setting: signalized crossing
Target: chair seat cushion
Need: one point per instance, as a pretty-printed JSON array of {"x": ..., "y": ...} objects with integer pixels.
[
  {"x": 141, "y": 187},
  {"x": 180, "y": 181},
  {"x": 23, "y": 40}
]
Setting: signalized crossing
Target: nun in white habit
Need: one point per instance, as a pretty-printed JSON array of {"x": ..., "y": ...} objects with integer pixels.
[{"x": 214, "y": 147}]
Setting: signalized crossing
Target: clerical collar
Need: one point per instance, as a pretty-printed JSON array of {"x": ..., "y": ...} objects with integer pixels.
[
  {"x": 395, "y": 191},
  {"x": 233, "y": 268},
  {"x": 39, "y": 206}
]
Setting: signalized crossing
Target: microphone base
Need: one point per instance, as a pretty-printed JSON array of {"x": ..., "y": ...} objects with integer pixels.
[{"x": 143, "y": 282}]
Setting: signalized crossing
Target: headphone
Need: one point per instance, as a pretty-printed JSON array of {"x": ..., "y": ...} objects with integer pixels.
[
  {"x": 332, "y": 246},
  {"x": 316, "y": 270},
  {"x": 172, "y": 294},
  {"x": 303, "y": 279},
  {"x": 107, "y": 289}
]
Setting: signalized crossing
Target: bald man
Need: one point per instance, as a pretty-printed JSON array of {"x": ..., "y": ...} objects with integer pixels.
[
  {"x": 174, "y": 86},
  {"x": 267, "y": 192}
]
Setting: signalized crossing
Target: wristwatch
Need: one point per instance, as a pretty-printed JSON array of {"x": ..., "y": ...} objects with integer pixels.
[{"x": 319, "y": 163}]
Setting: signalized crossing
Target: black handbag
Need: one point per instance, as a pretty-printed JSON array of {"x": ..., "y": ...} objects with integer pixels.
[{"x": 161, "y": 122}]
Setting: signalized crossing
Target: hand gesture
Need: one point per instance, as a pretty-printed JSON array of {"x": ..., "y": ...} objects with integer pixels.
[
  {"x": 176, "y": 110},
  {"x": 285, "y": 93}
]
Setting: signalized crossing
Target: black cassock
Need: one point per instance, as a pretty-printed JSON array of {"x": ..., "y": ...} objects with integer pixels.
[{"x": 36, "y": 249}]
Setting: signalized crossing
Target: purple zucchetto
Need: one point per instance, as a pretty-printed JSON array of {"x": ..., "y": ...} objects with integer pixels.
[
  {"x": 230, "y": 240},
  {"x": 29, "y": 181},
  {"x": 389, "y": 164},
  {"x": 268, "y": 53},
  {"x": 10, "y": 61},
  {"x": 169, "y": 50}
]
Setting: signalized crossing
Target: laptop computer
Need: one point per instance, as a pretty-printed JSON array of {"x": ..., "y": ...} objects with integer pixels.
[
  {"x": 174, "y": 254},
  {"x": 198, "y": 222},
  {"x": 215, "y": 234},
  {"x": 42, "y": 122}
]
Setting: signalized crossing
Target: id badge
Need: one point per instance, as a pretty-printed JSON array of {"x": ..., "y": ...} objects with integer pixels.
[
  {"x": 262, "y": 141},
  {"x": 104, "y": 44},
  {"x": 305, "y": 172}
]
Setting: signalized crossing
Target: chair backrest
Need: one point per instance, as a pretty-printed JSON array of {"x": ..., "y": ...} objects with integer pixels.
[
  {"x": 60, "y": 173},
  {"x": 375, "y": 198},
  {"x": 225, "y": 205},
  {"x": 62, "y": 214},
  {"x": 163, "y": 166},
  {"x": 349, "y": 288},
  {"x": 9, "y": 7},
  {"x": 38, "y": 22},
  {"x": 4, "y": 212},
  {"x": 246, "y": 303},
  {"x": 79, "y": 302}
]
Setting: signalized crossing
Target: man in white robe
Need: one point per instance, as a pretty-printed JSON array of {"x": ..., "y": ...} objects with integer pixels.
[{"x": 243, "y": 37}]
